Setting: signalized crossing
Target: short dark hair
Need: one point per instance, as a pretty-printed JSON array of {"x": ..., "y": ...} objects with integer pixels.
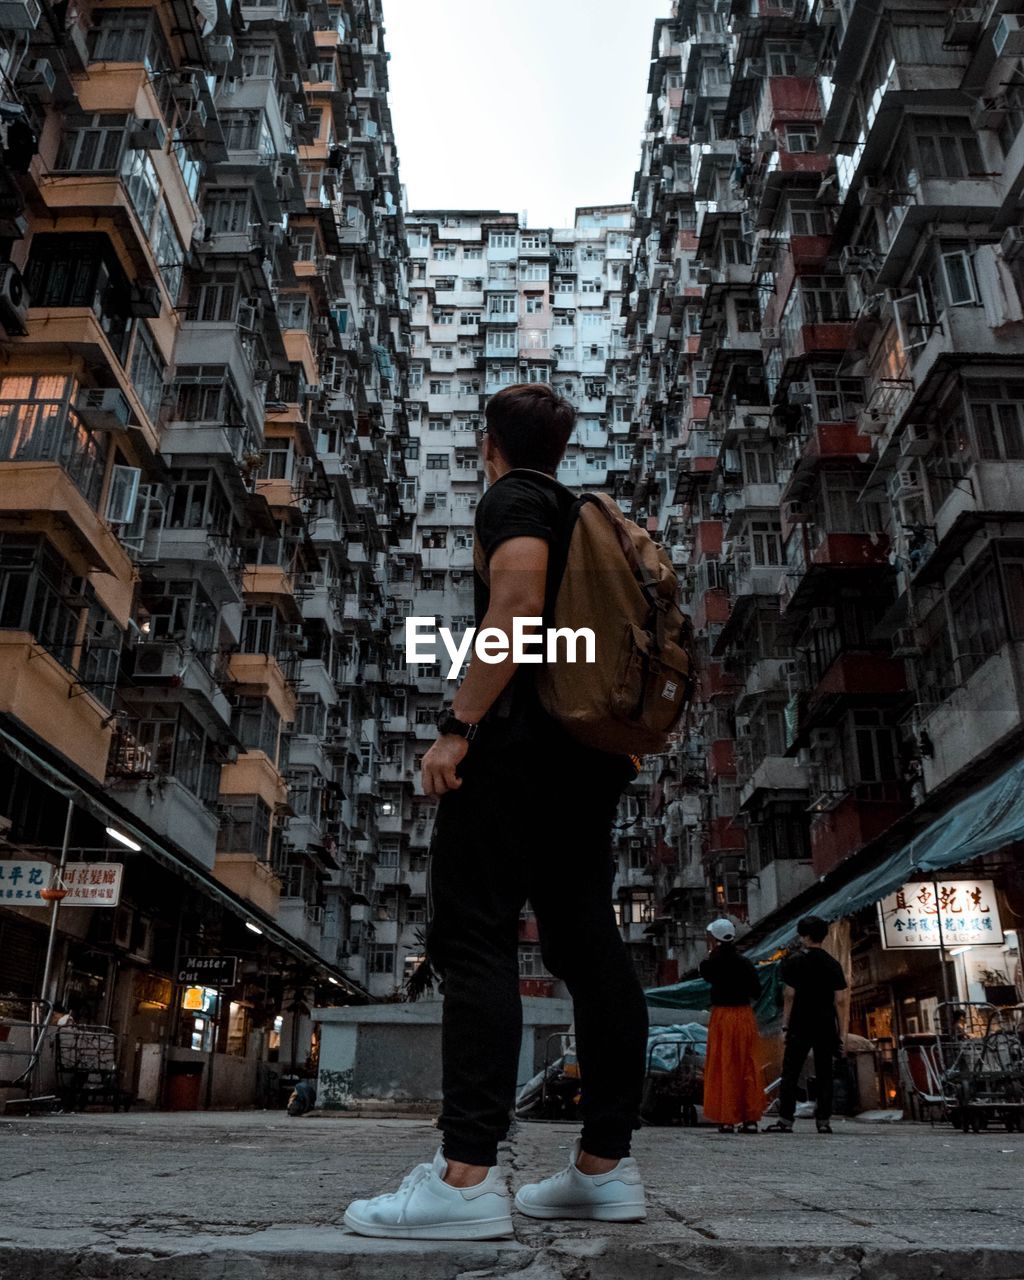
[
  {"x": 813, "y": 927},
  {"x": 531, "y": 424}
]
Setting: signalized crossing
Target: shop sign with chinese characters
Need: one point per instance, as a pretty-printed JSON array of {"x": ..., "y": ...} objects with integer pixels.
[
  {"x": 93, "y": 884},
  {"x": 21, "y": 881},
  {"x": 948, "y": 913}
]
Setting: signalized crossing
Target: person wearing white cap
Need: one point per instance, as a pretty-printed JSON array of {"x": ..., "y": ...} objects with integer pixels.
[{"x": 733, "y": 1092}]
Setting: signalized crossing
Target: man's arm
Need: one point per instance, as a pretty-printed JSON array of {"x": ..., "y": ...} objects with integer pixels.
[
  {"x": 843, "y": 1015},
  {"x": 787, "y": 1005},
  {"x": 518, "y": 577}
]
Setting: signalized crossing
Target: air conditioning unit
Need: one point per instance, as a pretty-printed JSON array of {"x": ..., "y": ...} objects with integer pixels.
[
  {"x": 220, "y": 49},
  {"x": 19, "y": 15},
  {"x": 770, "y": 336},
  {"x": 904, "y": 643},
  {"x": 147, "y": 135},
  {"x": 856, "y": 257},
  {"x": 37, "y": 80},
  {"x": 795, "y": 513},
  {"x": 103, "y": 409},
  {"x": 962, "y": 25},
  {"x": 916, "y": 441},
  {"x": 822, "y": 740},
  {"x": 906, "y": 484},
  {"x": 989, "y": 113},
  {"x": 144, "y": 301},
  {"x": 13, "y": 301},
  {"x": 1008, "y": 37},
  {"x": 160, "y": 660},
  {"x": 1011, "y": 246},
  {"x": 821, "y": 618}
]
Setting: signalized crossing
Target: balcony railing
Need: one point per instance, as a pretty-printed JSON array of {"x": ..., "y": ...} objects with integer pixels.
[{"x": 43, "y": 430}]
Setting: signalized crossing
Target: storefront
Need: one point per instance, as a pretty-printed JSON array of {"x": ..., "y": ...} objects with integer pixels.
[{"x": 125, "y": 964}]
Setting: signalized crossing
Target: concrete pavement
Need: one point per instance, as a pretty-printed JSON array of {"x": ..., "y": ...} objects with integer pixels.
[{"x": 258, "y": 1196}]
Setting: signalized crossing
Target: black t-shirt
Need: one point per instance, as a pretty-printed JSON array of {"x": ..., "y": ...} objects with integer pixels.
[
  {"x": 815, "y": 977},
  {"x": 733, "y": 978},
  {"x": 523, "y": 504}
]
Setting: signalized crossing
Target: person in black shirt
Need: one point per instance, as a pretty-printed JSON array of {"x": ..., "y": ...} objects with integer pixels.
[
  {"x": 814, "y": 1020},
  {"x": 525, "y": 814},
  {"x": 733, "y": 1092}
]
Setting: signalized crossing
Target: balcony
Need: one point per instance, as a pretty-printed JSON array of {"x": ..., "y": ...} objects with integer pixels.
[
  {"x": 858, "y": 677},
  {"x": 725, "y": 836},
  {"x": 772, "y": 776},
  {"x": 42, "y": 693},
  {"x": 251, "y": 878},
  {"x": 169, "y": 807},
  {"x": 860, "y": 816}
]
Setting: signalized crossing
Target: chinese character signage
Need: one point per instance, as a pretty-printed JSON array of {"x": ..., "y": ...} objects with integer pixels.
[
  {"x": 21, "y": 880},
  {"x": 944, "y": 913},
  {"x": 93, "y": 884}
]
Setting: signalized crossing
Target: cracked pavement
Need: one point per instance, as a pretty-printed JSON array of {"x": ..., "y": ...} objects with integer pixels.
[{"x": 258, "y": 1196}]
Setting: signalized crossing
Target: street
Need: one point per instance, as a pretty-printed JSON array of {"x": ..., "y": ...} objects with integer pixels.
[{"x": 257, "y": 1196}]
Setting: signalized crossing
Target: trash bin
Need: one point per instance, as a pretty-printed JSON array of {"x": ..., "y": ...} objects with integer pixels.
[{"x": 184, "y": 1080}]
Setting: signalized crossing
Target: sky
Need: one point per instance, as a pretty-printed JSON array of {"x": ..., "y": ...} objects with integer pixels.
[{"x": 532, "y": 106}]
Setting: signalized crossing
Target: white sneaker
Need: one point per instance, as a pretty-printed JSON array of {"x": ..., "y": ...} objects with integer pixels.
[
  {"x": 425, "y": 1207},
  {"x": 615, "y": 1196}
]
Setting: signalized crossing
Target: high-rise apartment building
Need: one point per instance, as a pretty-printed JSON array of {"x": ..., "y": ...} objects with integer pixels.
[
  {"x": 202, "y": 434},
  {"x": 826, "y": 306}
]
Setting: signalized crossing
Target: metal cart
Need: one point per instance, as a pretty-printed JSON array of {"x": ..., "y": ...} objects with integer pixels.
[
  {"x": 22, "y": 1037},
  {"x": 674, "y": 1081},
  {"x": 87, "y": 1069},
  {"x": 983, "y": 1075}
]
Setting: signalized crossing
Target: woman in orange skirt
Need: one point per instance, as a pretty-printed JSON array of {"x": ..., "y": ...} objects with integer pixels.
[{"x": 733, "y": 1093}]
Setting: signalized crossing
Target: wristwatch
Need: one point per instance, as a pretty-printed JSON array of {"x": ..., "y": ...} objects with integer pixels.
[{"x": 447, "y": 723}]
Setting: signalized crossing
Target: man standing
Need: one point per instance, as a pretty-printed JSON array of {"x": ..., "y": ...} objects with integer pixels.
[
  {"x": 525, "y": 814},
  {"x": 815, "y": 1019}
]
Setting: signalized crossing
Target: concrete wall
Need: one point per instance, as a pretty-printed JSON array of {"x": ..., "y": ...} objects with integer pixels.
[{"x": 393, "y": 1052}]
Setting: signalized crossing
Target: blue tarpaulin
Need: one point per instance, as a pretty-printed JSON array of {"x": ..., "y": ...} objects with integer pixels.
[{"x": 696, "y": 994}]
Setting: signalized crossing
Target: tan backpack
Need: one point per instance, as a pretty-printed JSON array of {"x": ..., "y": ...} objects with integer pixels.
[{"x": 621, "y": 585}]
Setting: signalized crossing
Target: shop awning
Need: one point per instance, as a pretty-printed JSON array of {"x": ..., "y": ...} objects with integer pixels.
[
  {"x": 696, "y": 994},
  {"x": 110, "y": 813},
  {"x": 984, "y": 822}
]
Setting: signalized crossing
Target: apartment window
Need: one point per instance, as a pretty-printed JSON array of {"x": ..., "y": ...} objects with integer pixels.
[
  {"x": 801, "y": 138},
  {"x": 443, "y": 253},
  {"x": 502, "y": 304},
  {"x": 92, "y": 143},
  {"x": 245, "y": 826},
  {"x": 534, "y": 303},
  {"x": 531, "y": 964},
  {"x": 442, "y": 353},
  {"x": 258, "y": 62},
  {"x": 440, "y": 386},
  {"x": 874, "y": 746},
  {"x": 469, "y": 317},
  {"x": 81, "y": 270},
  {"x": 758, "y": 466},
  {"x": 207, "y": 393},
  {"x": 996, "y": 412},
  {"x": 946, "y": 147},
  {"x": 37, "y": 424},
  {"x": 444, "y": 317},
  {"x": 502, "y": 240},
  {"x": 438, "y": 462},
  {"x": 246, "y": 131},
  {"x": 463, "y": 540},
  {"x": 783, "y": 59},
  {"x": 503, "y": 340},
  {"x": 129, "y": 35},
  {"x": 257, "y": 724},
  {"x": 836, "y": 399},
  {"x": 198, "y": 502},
  {"x": 147, "y": 371},
  {"x": 533, "y": 271},
  {"x": 35, "y": 583},
  {"x": 766, "y": 542},
  {"x": 381, "y": 959},
  {"x": 435, "y": 540},
  {"x": 310, "y": 717},
  {"x": 807, "y": 218},
  {"x": 533, "y": 240},
  {"x": 169, "y": 255}
]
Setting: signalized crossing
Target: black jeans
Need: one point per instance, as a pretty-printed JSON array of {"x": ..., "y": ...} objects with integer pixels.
[
  {"x": 526, "y": 826},
  {"x": 800, "y": 1041}
]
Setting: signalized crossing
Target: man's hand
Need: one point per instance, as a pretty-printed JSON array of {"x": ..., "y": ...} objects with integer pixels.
[{"x": 440, "y": 763}]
